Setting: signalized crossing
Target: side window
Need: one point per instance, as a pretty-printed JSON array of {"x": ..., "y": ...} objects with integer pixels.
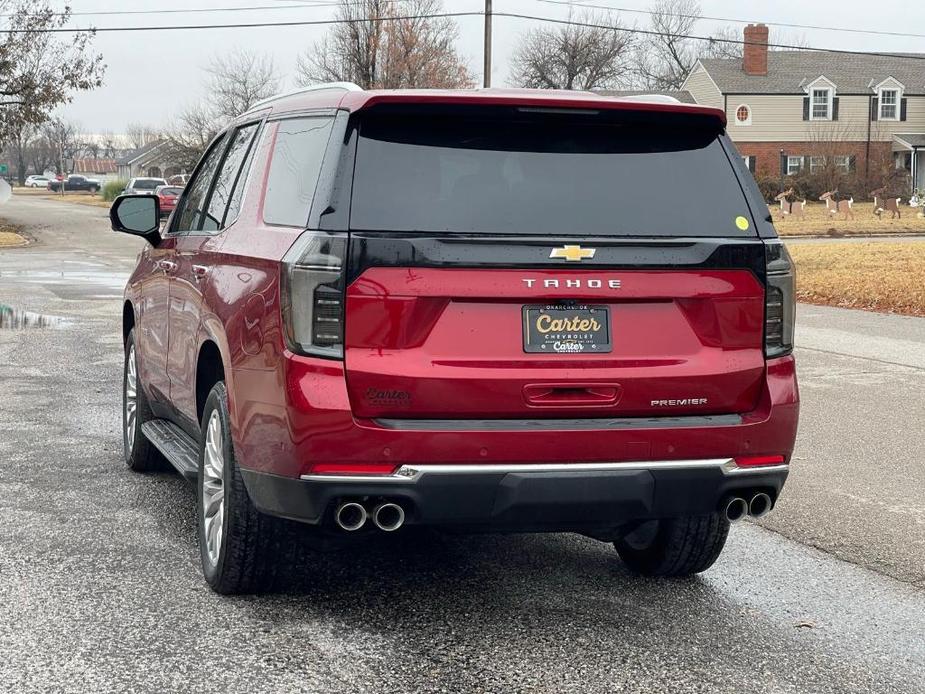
[
  {"x": 237, "y": 194},
  {"x": 227, "y": 177},
  {"x": 189, "y": 218},
  {"x": 294, "y": 169}
]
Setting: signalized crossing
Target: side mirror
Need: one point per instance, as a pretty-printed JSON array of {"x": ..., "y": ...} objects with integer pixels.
[{"x": 138, "y": 215}]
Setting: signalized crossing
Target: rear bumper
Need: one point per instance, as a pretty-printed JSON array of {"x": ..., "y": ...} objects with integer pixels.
[
  {"x": 485, "y": 473},
  {"x": 594, "y": 498}
]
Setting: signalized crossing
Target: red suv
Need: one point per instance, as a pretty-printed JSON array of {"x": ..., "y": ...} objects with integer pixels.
[{"x": 480, "y": 310}]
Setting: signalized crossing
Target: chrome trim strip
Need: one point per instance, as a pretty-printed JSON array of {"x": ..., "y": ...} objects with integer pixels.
[{"x": 412, "y": 473}]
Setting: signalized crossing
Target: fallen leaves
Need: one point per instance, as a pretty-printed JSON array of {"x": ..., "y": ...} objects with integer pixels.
[{"x": 875, "y": 276}]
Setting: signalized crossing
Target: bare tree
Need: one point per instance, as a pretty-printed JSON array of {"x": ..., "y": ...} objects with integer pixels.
[
  {"x": 39, "y": 71},
  {"x": 387, "y": 44},
  {"x": 66, "y": 141},
  {"x": 667, "y": 55},
  {"x": 571, "y": 56},
  {"x": 240, "y": 79},
  {"x": 724, "y": 43},
  {"x": 139, "y": 134},
  {"x": 189, "y": 136}
]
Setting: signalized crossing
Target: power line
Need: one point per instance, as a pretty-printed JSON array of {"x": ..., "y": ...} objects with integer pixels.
[
  {"x": 650, "y": 32},
  {"x": 443, "y": 15},
  {"x": 629, "y": 10},
  {"x": 320, "y": 4}
]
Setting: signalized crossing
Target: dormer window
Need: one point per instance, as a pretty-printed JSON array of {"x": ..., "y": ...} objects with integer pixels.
[
  {"x": 820, "y": 103},
  {"x": 889, "y": 104}
]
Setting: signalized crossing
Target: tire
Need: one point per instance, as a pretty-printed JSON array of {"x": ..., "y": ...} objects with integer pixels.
[
  {"x": 681, "y": 546},
  {"x": 239, "y": 547},
  {"x": 140, "y": 454}
]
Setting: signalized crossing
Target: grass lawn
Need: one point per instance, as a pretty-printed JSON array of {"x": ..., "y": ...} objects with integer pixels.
[
  {"x": 9, "y": 237},
  {"x": 877, "y": 276},
  {"x": 77, "y": 197},
  {"x": 821, "y": 221}
]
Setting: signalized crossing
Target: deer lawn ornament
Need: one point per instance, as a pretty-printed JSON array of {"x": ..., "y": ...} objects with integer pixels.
[
  {"x": 882, "y": 204},
  {"x": 797, "y": 208},
  {"x": 842, "y": 206}
]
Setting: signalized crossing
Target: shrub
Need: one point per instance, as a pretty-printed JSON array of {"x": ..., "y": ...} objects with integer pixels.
[
  {"x": 112, "y": 189},
  {"x": 769, "y": 187}
]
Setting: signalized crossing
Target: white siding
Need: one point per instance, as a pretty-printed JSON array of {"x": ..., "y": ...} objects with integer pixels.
[
  {"x": 703, "y": 90},
  {"x": 780, "y": 119}
]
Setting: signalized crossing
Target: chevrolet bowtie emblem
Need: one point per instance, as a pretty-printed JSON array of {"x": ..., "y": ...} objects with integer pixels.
[{"x": 572, "y": 253}]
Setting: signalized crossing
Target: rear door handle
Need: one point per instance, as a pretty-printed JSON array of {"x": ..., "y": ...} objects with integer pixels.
[{"x": 166, "y": 265}]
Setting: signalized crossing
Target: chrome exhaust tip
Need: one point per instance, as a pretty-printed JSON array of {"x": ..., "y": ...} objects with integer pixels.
[
  {"x": 388, "y": 517},
  {"x": 350, "y": 516},
  {"x": 760, "y": 505},
  {"x": 736, "y": 509}
]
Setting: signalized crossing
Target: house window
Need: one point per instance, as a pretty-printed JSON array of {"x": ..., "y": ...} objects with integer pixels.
[
  {"x": 794, "y": 165},
  {"x": 743, "y": 115},
  {"x": 889, "y": 104},
  {"x": 821, "y": 104},
  {"x": 816, "y": 164},
  {"x": 842, "y": 163}
]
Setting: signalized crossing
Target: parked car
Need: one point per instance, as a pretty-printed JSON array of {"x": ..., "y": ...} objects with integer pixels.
[
  {"x": 178, "y": 180},
  {"x": 36, "y": 181},
  {"x": 167, "y": 198},
  {"x": 464, "y": 310},
  {"x": 75, "y": 182},
  {"x": 143, "y": 186}
]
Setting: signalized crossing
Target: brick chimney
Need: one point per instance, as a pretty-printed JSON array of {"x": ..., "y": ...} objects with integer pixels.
[{"x": 755, "y": 50}]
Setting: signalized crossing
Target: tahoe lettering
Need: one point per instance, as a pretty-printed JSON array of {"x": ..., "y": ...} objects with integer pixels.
[{"x": 573, "y": 283}]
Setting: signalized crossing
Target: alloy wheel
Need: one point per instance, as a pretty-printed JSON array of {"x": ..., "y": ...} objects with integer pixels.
[
  {"x": 131, "y": 399},
  {"x": 213, "y": 487}
]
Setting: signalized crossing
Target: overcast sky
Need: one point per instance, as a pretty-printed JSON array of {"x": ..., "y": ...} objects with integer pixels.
[{"x": 152, "y": 75}]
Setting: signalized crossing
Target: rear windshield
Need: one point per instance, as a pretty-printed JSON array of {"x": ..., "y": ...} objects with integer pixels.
[
  {"x": 553, "y": 176},
  {"x": 147, "y": 183},
  {"x": 167, "y": 190}
]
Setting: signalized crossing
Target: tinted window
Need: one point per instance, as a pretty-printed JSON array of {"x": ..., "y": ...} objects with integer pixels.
[
  {"x": 545, "y": 176},
  {"x": 147, "y": 183},
  {"x": 192, "y": 212},
  {"x": 227, "y": 176},
  {"x": 297, "y": 158},
  {"x": 169, "y": 190}
]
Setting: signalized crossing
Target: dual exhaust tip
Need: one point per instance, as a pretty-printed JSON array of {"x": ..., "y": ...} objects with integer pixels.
[
  {"x": 737, "y": 508},
  {"x": 352, "y": 515}
]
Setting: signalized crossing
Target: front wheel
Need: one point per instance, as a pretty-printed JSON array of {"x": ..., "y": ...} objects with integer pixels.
[
  {"x": 140, "y": 454},
  {"x": 674, "y": 546},
  {"x": 238, "y": 545}
]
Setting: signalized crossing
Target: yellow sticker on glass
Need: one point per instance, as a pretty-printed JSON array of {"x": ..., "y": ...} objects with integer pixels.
[{"x": 742, "y": 223}]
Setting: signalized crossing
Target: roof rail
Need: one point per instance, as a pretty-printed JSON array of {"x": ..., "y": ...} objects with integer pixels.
[{"x": 346, "y": 86}]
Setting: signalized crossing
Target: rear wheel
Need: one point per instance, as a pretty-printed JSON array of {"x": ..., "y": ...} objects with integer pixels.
[
  {"x": 674, "y": 546},
  {"x": 238, "y": 545}
]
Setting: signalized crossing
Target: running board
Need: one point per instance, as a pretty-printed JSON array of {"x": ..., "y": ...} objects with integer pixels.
[{"x": 175, "y": 444}]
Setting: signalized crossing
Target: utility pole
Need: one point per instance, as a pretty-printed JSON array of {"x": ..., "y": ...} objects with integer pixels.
[{"x": 487, "y": 77}]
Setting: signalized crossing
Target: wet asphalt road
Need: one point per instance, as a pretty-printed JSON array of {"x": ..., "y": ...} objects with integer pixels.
[{"x": 100, "y": 589}]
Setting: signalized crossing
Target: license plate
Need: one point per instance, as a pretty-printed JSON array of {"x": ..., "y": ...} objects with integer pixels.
[{"x": 567, "y": 329}]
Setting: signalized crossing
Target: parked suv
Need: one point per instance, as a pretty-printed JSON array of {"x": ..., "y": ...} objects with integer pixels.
[{"x": 473, "y": 310}]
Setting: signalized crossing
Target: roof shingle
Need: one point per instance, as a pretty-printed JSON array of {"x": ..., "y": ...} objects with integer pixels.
[{"x": 851, "y": 73}]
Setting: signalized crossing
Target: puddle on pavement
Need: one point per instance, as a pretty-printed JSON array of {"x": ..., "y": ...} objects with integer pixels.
[
  {"x": 106, "y": 278},
  {"x": 16, "y": 319}
]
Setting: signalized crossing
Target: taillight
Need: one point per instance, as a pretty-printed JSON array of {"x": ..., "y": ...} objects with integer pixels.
[
  {"x": 780, "y": 300},
  {"x": 312, "y": 294}
]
